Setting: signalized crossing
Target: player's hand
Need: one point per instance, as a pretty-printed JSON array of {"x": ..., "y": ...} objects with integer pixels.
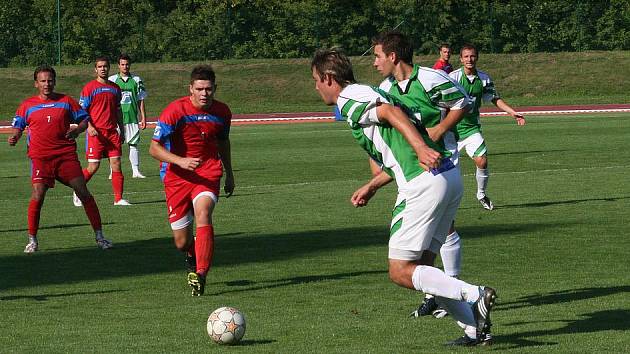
[
  {"x": 429, "y": 158},
  {"x": 72, "y": 133},
  {"x": 435, "y": 133},
  {"x": 143, "y": 124},
  {"x": 92, "y": 131},
  {"x": 362, "y": 195},
  {"x": 228, "y": 187},
  {"x": 189, "y": 163},
  {"x": 520, "y": 119},
  {"x": 12, "y": 140}
]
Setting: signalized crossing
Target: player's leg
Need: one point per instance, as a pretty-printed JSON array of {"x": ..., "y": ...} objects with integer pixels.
[
  {"x": 34, "y": 211},
  {"x": 118, "y": 181},
  {"x": 482, "y": 175},
  {"x": 134, "y": 159}
]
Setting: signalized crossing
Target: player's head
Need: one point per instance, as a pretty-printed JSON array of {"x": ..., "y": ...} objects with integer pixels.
[
  {"x": 391, "y": 48},
  {"x": 202, "y": 86},
  {"x": 468, "y": 56},
  {"x": 332, "y": 71},
  {"x": 124, "y": 64},
  {"x": 445, "y": 52},
  {"x": 44, "y": 78},
  {"x": 101, "y": 67}
]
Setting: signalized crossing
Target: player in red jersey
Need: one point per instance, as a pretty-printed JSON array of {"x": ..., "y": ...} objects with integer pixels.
[
  {"x": 101, "y": 99},
  {"x": 53, "y": 151},
  {"x": 443, "y": 62},
  {"x": 191, "y": 140}
]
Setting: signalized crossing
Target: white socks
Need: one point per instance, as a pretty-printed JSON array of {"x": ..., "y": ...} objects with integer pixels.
[
  {"x": 460, "y": 310},
  {"x": 134, "y": 158},
  {"x": 451, "y": 255},
  {"x": 482, "y": 176},
  {"x": 431, "y": 280}
]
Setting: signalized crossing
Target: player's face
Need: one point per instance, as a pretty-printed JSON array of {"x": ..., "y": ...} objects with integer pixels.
[
  {"x": 124, "y": 66},
  {"x": 326, "y": 88},
  {"x": 382, "y": 62},
  {"x": 468, "y": 58},
  {"x": 445, "y": 54},
  {"x": 202, "y": 93},
  {"x": 102, "y": 69},
  {"x": 45, "y": 83}
]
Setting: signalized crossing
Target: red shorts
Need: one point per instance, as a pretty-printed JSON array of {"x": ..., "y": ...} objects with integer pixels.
[
  {"x": 180, "y": 195},
  {"x": 64, "y": 168},
  {"x": 106, "y": 144}
]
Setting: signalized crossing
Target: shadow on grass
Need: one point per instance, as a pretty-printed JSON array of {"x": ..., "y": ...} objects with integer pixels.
[
  {"x": 525, "y": 152},
  {"x": 609, "y": 320},
  {"x": 59, "y": 226},
  {"x": 562, "y": 297},
  {"x": 469, "y": 232},
  {"x": 158, "y": 255},
  {"x": 560, "y": 202},
  {"x": 45, "y": 297}
]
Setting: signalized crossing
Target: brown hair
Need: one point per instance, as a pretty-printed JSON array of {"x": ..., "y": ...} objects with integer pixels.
[{"x": 335, "y": 63}]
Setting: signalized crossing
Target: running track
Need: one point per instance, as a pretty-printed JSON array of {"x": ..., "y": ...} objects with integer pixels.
[{"x": 309, "y": 117}]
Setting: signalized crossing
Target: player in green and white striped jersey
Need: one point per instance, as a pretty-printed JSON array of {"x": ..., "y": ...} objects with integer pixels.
[
  {"x": 429, "y": 185},
  {"x": 132, "y": 106},
  {"x": 480, "y": 87}
]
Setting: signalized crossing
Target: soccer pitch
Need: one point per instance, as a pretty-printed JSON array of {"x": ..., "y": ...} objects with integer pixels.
[{"x": 309, "y": 271}]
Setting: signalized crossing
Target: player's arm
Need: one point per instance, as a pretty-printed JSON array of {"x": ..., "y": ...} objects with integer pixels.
[
  {"x": 143, "y": 117},
  {"x": 502, "y": 105},
  {"x": 17, "y": 127},
  {"x": 449, "y": 122},
  {"x": 362, "y": 195},
  {"x": 225, "y": 152},
  {"x": 395, "y": 117},
  {"x": 73, "y": 132},
  {"x": 160, "y": 153},
  {"x": 15, "y": 136}
]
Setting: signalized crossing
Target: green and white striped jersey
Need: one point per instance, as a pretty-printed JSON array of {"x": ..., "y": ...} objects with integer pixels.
[
  {"x": 428, "y": 94},
  {"x": 357, "y": 104},
  {"x": 480, "y": 88},
  {"x": 132, "y": 89}
]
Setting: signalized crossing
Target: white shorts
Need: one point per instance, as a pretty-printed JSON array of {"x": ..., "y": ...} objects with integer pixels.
[
  {"x": 475, "y": 145},
  {"x": 424, "y": 211},
  {"x": 132, "y": 133}
]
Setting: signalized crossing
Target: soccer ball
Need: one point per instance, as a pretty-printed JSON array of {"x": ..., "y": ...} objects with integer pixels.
[{"x": 226, "y": 325}]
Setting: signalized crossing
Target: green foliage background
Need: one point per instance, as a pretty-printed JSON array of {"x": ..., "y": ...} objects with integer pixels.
[{"x": 169, "y": 30}]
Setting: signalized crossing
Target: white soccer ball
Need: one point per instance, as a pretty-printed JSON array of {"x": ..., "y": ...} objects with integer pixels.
[{"x": 226, "y": 325}]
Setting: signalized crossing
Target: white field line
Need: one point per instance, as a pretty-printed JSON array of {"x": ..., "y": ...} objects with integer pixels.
[{"x": 317, "y": 183}]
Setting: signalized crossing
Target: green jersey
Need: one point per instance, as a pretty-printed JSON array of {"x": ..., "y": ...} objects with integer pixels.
[
  {"x": 357, "y": 104},
  {"x": 429, "y": 94},
  {"x": 480, "y": 88},
  {"x": 133, "y": 92}
]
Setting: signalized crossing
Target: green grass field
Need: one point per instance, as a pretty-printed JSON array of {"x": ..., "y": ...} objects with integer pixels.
[
  {"x": 310, "y": 271},
  {"x": 285, "y": 85}
]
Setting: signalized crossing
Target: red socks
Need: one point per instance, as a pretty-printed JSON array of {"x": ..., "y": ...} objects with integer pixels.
[
  {"x": 204, "y": 248},
  {"x": 91, "y": 210},
  {"x": 34, "y": 212},
  {"x": 117, "y": 185}
]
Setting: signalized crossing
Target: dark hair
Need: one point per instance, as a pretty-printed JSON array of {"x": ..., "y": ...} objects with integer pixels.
[
  {"x": 444, "y": 45},
  {"x": 396, "y": 42},
  {"x": 123, "y": 56},
  {"x": 335, "y": 63},
  {"x": 101, "y": 58},
  {"x": 45, "y": 68},
  {"x": 468, "y": 47},
  {"x": 203, "y": 72}
]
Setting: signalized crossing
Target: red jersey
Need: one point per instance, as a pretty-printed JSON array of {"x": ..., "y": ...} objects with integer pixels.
[
  {"x": 442, "y": 65},
  {"x": 102, "y": 102},
  {"x": 188, "y": 131},
  {"x": 48, "y": 121}
]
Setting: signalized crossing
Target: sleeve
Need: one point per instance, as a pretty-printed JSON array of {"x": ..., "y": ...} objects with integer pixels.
[
  {"x": 19, "y": 121},
  {"x": 142, "y": 93},
  {"x": 438, "y": 65},
  {"x": 358, "y": 104},
  {"x": 78, "y": 113},
  {"x": 85, "y": 99},
  {"x": 227, "y": 124},
  {"x": 489, "y": 91},
  {"x": 449, "y": 95},
  {"x": 166, "y": 124}
]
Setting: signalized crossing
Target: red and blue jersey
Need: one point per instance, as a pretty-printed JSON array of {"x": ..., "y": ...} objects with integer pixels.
[
  {"x": 48, "y": 121},
  {"x": 102, "y": 102},
  {"x": 443, "y": 65},
  {"x": 188, "y": 131}
]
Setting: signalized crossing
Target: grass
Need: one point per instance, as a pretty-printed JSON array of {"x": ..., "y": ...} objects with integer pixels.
[
  {"x": 309, "y": 271},
  {"x": 285, "y": 85}
]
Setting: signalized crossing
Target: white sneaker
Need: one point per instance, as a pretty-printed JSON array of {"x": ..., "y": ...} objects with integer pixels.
[
  {"x": 138, "y": 175},
  {"x": 31, "y": 247},
  {"x": 76, "y": 200},
  {"x": 110, "y": 176},
  {"x": 122, "y": 202},
  {"x": 104, "y": 243}
]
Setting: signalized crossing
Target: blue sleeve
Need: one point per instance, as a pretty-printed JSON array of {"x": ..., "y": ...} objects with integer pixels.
[{"x": 19, "y": 122}]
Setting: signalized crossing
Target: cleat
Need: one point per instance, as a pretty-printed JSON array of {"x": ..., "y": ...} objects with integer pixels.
[
  {"x": 439, "y": 313},
  {"x": 76, "y": 201},
  {"x": 138, "y": 175},
  {"x": 486, "y": 203},
  {"x": 481, "y": 309},
  {"x": 122, "y": 202},
  {"x": 486, "y": 336},
  {"x": 31, "y": 247},
  {"x": 197, "y": 283},
  {"x": 104, "y": 243},
  {"x": 427, "y": 307},
  {"x": 191, "y": 264},
  {"x": 463, "y": 341}
]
